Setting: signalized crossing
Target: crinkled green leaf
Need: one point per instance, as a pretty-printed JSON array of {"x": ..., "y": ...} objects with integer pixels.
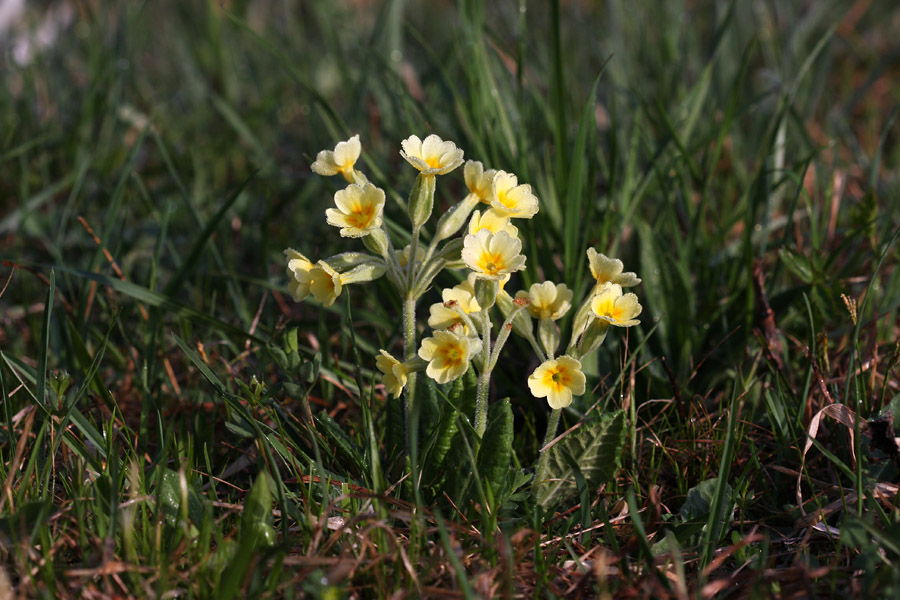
[{"x": 495, "y": 452}]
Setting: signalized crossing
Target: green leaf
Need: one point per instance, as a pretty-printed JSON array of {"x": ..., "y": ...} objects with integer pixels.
[
  {"x": 700, "y": 501},
  {"x": 596, "y": 448},
  {"x": 256, "y": 532},
  {"x": 495, "y": 452},
  {"x": 798, "y": 264},
  {"x": 338, "y": 438}
]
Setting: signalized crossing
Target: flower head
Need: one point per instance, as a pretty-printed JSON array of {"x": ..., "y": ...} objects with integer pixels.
[
  {"x": 340, "y": 160},
  {"x": 402, "y": 256},
  {"x": 511, "y": 199},
  {"x": 616, "y": 309},
  {"x": 394, "y": 373},
  {"x": 448, "y": 354},
  {"x": 547, "y": 300},
  {"x": 298, "y": 267},
  {"x": 557, "y": 380},
  {"x": 358, "y": 210},
  {"x": 493, "y": 221},
  {"x": 433, "y": 156},
  {"x": 443, "y": 316},
  {"x": 325, "y": 283},
  {"x": 492, "y": 256},
  {"x": 609, "y": 270},
  {"x": 479, "y": 181}
]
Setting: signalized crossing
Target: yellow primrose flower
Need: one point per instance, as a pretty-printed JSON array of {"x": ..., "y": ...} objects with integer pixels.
[
  {"x": 394, "y": 373},
  {"x": 298, "y": 268},
  {"x": 433, "y": 156},
  {"x": 557, "y": 380},
  {"x": 443, "y": 317},
  {"x": 340, "y": 160},
  {"x": 493, "y": 221},
  {"x": 547, "y": 300},
  {"x": 358, "y": 210},
  {"x": 402, "y": 256},
  {"x": 325, "y": 283},
  {"x": 611, "y": 306},
  {"x": 448, "y": 355},
  {"x": 493, "y": 256},
  {"x": 479, "y": 181},
  {"x": 511, "y": 199},
  {"x": 609, "y": 270}
]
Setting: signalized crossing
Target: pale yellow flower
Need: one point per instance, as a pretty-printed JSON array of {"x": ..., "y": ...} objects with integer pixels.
[
  {"x": 298, "y": 267},
  {"x": 463, "y": 295},
  {"x": 402, "y": 256},
  {"x": 511, "y": 199},
  {"x": 394, "y": 373},
  {"x": 616, "y": 309},
  {"x": 340, "y": 160},
  {"x": 433, "y": 156},
  {"x": 448, "y": 355},
  {"x": 493, "y": 221},
  {"x": 325, "y": 283},
  {"x": 493, "y": 256},
  {"x": 479, "y": 181},
  {"x": 557, "y": 380},
  {"x": 358, "y": 210},
  {"x": 547, "y": 300},
  {"x": 609, "y": 270}
]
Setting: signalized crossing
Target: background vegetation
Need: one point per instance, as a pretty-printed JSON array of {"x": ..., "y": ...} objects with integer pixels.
[{"x": 154, "y": 161}]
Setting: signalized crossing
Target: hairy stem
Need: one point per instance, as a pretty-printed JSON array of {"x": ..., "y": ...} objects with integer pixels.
[
  {"x": 484, "y": 377},
  {"x": 552, "y": 424}
]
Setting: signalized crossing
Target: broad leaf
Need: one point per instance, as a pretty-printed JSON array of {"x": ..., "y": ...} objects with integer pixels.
[{"x": 495, "y": 452}]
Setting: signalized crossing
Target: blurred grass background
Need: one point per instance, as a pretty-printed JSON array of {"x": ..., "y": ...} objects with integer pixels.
[{"x": 171, "y": 141}]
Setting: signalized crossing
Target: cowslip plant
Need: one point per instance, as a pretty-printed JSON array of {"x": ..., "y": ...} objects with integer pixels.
[{"x": 477, "y": 236}]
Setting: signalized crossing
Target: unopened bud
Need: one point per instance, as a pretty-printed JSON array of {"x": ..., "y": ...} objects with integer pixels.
[
  {"x": 486, "y": 291},
  {"x": 454, "y": 219},
  {"x": 421, "y": 200}
]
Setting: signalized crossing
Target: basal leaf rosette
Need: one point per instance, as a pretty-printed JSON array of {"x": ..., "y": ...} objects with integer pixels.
[
  {"x": 433, "y": 156},
  {"x": 511, "y": 199},
  {"x": 557, "y": 380},
  {"x": 610, "y": 270},
  {"x": 493, "y": 255},
  {"x": 340, "y": 160},
  {"x": 448, "y": 354},
  {"x": 615, "y": 308},
  {"x": 358, "y": 211}
]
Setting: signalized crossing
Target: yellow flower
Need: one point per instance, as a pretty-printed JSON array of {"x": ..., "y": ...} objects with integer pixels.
[
  {"x": 433, "y": 156},
  {"x": 609, "y": 270},
  {"x": 394, "y": 373},
  {"x": 547, "y": 300},
  {"x": 611, "y": 306},
  {"x": 493, "y": 221},
  {"x": 443, "y": 317},
  {"x": 298, "y": 268},
  {"x": 358, "y": 210},
  {"x": 557, "y": 380},
  {"x": 340, "y": 160},
  {"x": 402, "y": 256},
  {"x": 448, "y": 355},
  {"x": 492, "y": 256},
  {"x": 511, "y": 199},
  {"x": 479, "y": 181},
  {"x": 325, "y": 283}
]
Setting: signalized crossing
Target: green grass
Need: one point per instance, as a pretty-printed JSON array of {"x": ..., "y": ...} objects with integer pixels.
[{"x": 154, "y": 164}]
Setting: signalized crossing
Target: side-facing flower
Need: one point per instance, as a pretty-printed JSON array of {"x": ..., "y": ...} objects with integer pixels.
[
  {"x": 325, "y": 283},
  {"x": 558, "y": 380},
  {"x": 394, "y": 373},
  {"x": 340, "y": 160},
  {"x": 492, "y": 256},
  {"x": 479, "y": 181},
  {"x": 547, "y": 300},
  {"x": 610, "y": 305},
  {"x": 511, "y": 199},
  {"x": 448, "y": 354},
  {"x": 298, "y": 267},
  {"x": 358, "y": 210},
  {"x": 442, "y": 316},
  {"x": 433, "y": 156},
  {"x": 493, "y": 221},
  {"x": 609, "y": 270}
]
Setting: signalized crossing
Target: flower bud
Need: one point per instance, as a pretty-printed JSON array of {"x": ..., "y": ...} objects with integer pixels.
[
  {"x": 454, "y": 219},
  {"x": 421, "y": 200},
  {"x": 548, "y": 335},
  {"x": 486, "y": 291}
]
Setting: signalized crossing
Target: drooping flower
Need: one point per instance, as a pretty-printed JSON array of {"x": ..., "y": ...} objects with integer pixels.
[
  {"x": 547, "y": 300},
  {"x": 325, "y": 283},
  {"x": 340, "y": 160},
  {"x": 511, "y": 199},
  {"x": 462, "y": 295},
  {"x": 492, "y": 256},
  {"x": 433, "y": 156},
  {"x": 558, "y": 380},
  {"x": 448, "y": 354},
  {"x": 493, "y": 221},
  {"x": 358, "y": 210},
  {"x": 298, "y": 267},
  {"x": 479, "y": 181},
  {"x": 609, "y": 270},
  {"x": 394, "y": 373},
  {"x": 610, "y": 305}
]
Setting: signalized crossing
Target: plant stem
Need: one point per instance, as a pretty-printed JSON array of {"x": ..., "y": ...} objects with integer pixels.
[
  {"x": 552, "y": 424},
  {"x": 484, "y": 377},
  {"x": 409, "y": 352}
]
